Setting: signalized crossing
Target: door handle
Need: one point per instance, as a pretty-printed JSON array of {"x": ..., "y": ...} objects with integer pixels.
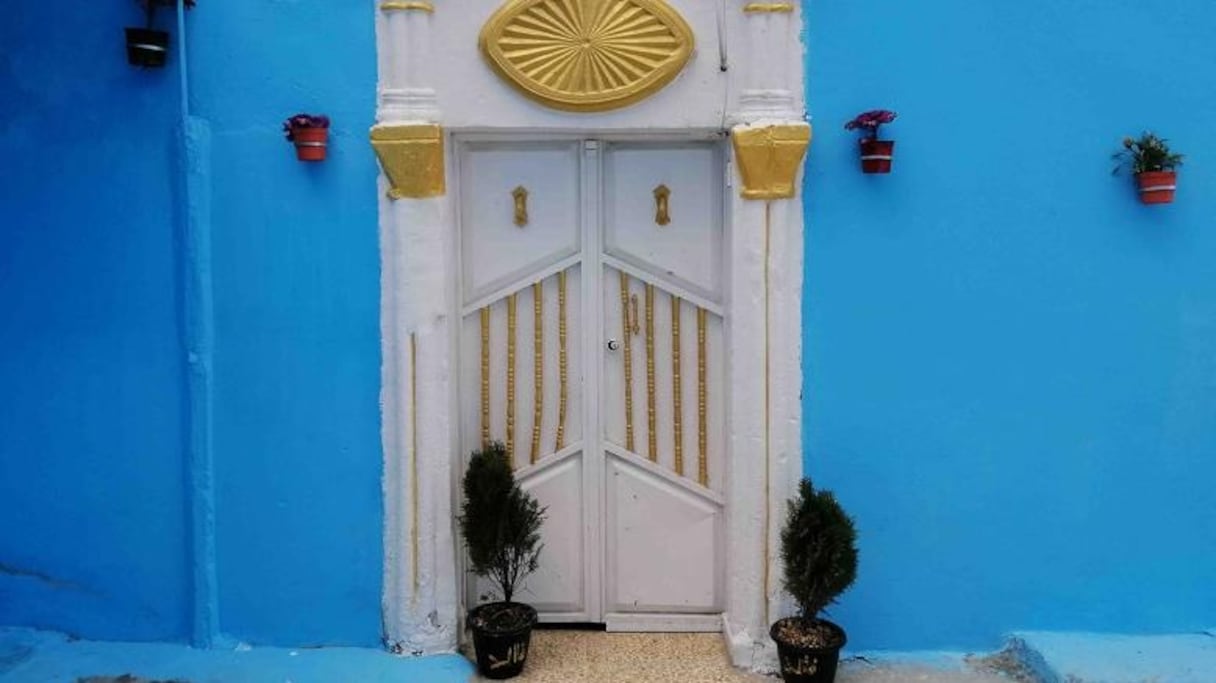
[{"x": 662, "y": 201}]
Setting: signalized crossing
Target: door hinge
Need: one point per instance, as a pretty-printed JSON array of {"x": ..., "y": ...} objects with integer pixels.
[{"x": 730, "y": 176}]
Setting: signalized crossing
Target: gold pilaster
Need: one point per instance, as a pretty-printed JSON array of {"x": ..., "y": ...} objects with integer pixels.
[
  {"x": 511, "y": 306},
  {"x": 412, "y": 159},
  {"x": 538, "y": 366},
  {"x": 561, "y": 360},
  {"x": 626, "y": 331},
  {"x": 677, "y": 389},
  {"x": 769, "y": 158}
]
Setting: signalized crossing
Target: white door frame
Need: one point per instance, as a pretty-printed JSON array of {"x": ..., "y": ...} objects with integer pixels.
[{"x": 759, "y": 99}]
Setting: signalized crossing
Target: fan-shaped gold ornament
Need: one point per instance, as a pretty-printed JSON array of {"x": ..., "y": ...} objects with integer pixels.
[{"x": 587, "y": 55}]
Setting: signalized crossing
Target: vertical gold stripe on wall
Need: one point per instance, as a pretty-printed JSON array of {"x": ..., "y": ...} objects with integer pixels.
[
  {"x": 511, "y": 304},
  {"x": 562, "y": 360},
  {"x": 651, "y": 433},
  {"x": 485, "y": 376},
  {"x": 538, "y": 366},
  {"x": 625, "y": 327},
  {"x": 702, "y": 400},
  {"x": 677, "y": 398},
  {"x": 414, "y": 466}
]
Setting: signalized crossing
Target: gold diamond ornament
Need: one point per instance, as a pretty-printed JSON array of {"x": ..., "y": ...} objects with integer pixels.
[{"x": 587, "y": 55}]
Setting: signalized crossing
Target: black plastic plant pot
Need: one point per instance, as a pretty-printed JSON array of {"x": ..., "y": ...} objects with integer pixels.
[
  {"x": 805, "y": 664},
  {"x": 147, "y": 47},
  {"x": 502, "y": 633}
]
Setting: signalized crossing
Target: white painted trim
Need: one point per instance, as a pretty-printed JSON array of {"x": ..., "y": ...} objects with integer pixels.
[
  {"x": 663, "y": 623},
  {"x": 420, "y": 270}
]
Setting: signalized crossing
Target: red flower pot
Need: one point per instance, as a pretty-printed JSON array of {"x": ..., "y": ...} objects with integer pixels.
[
  {"x": 1157, "y": 187},
  {"x": 310, "y": 143},
  {"x": 876, "y": 155}
]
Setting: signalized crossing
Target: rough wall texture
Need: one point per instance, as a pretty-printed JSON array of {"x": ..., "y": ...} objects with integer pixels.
[
  {"x": 95, "y": 493},
  {"x": 297, "y": 359},
  {"x": 1010, "y": 363},
  {"x": 92, "y": 498}
]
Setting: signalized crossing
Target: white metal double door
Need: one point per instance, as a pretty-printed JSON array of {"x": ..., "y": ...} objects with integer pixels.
[{"x": 592, "y": 346}]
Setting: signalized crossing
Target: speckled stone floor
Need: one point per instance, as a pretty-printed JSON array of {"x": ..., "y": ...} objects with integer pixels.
[{"x": 575, "y": 656}]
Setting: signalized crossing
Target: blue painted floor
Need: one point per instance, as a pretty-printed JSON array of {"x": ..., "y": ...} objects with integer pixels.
[
  {"x": 1110, "y": 658},
  {"x": 28, "y": 656}
]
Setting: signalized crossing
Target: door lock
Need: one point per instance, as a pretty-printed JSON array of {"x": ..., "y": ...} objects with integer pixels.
[{"x": 613, "y": 345}]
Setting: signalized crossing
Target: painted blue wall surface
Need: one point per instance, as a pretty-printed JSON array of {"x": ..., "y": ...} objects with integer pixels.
[
  {"x": 95, "y": 442},
  {"x": 92, "y": 485},
  {"x": 1010, "y": 363},
  {"x": 297, "y": 298}
]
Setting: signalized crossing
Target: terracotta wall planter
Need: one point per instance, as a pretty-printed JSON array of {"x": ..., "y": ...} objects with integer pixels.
[
  {"x": 876, "y": 155},
  {"x": 1157, "y": 187},
  {"x": 311, "y": 143}
]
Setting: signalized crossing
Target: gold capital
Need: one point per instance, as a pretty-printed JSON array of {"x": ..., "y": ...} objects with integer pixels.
[
  {"x": 412, "y": 159},
  {"x": 769, "y": 158}
]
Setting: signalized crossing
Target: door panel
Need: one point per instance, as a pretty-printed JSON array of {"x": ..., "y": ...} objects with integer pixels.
[{"x": 632, "y": 480}]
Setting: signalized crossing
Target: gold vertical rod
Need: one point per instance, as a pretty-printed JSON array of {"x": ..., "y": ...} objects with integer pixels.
[
  {"x": 562, "y": 360},
  {"x": 628, "y": 362},
  {"x": 768, "y": 469},
  {"x": 485, "y": 376},
  {"x": 538, "y": 360},
  {"x": 511, "y": 305},
  {"x": 677, "y": 398},
  {"x": 702, "y": 402},
  {"x": 651, "y": 432},
  {"x": 414, "y": 466}
]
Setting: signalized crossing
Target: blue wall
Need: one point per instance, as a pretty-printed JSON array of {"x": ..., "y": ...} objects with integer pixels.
[
  {"x": 297, "y": 299},
  {"x": 92, "y": 485},
  {"x": 1010, "y": 363},
  {"x": 95, "y": 491}
]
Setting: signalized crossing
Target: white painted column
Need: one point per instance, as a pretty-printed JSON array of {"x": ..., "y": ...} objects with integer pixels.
[
  {"x": 420, "y": 599},
  {"x": 765, "y": 410}
]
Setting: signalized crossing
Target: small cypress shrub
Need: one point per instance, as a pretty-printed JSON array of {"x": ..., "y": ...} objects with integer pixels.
[
  {"x": 500, "y": 521},
  {"x": 819, "y": 549}
]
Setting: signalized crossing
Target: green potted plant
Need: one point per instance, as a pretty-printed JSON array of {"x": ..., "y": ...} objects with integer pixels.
[
  {"x": 819, "y": 551},
  {"x": 501, "y": 527},
  {"x": 310, "y": 134},
  {"x": 147, "y": 46},
  {"x": 1153, "y": 164},
  {"x": 876, "y": 155}
]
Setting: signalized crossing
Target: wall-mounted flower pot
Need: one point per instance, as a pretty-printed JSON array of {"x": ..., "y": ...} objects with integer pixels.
[
  {"x": 876, "y": 155},
  {"x": 1157, "y": 187},
  {"x": 147, "y": 47},
  {"x": 311, "y": 143}
]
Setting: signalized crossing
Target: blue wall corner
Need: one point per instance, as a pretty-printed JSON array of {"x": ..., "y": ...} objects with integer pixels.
[{"x": 1010, "y": 363}]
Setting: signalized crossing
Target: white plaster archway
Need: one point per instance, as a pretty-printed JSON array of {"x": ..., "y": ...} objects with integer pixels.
[{"x": 744, "y": 76}]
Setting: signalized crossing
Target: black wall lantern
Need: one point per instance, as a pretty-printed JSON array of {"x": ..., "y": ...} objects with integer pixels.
[{"x": 148, "y": 46}]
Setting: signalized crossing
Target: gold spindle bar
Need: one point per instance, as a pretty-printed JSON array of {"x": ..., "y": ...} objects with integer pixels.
[
  {"x": 511, "y": 309},
  {"x": 538, "y": 365},
  {"x": 702, "y": 401},
  {"x": 485, "y": 376},
  {"x": 625, "y": 328},
  {"x": 651, "y": 433},
  {"x": 562, "y": 360},
  {"x": 414, "y": 504},
  {"x": 677, "y": 399}
]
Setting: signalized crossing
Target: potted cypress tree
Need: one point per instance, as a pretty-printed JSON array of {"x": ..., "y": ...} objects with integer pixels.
[
  {"x": 501, "y": 527},
  {"x": 876, "y": 155},
  {"x": 819, "y": 550},
  {"x": 148, "y": 46},
  {"x": 1153, "y": 164}
]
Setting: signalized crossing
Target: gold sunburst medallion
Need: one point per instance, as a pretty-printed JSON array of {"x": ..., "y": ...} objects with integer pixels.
[{"x": 587, "y": 55}]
